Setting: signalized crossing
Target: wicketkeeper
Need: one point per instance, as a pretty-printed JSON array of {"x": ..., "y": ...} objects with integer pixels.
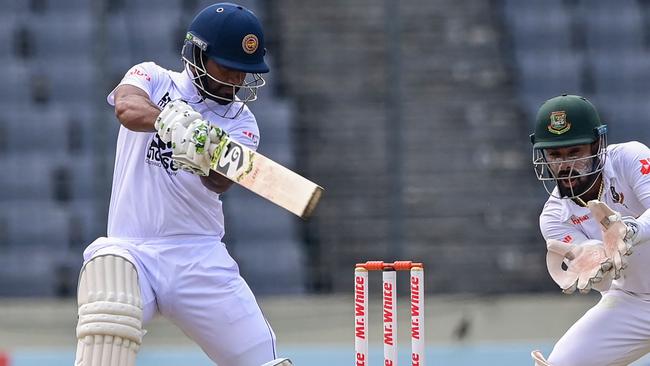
[{"x": 596, "y": 222}]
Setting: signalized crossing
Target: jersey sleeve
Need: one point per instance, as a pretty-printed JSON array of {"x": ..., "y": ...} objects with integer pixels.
[
  {"x": 246, "y": 133},
  {"x": 634, "y": 158},
  {"x": 553, "y": 227},
  {"x": 146, "y": 76}
]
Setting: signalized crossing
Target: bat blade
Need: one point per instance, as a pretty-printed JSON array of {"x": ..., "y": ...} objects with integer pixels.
[{"x": 266, "y": 178}]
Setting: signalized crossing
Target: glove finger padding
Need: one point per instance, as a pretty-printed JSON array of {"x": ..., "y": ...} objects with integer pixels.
[
  {"x": 614, "y": 230},
  {"x": 175, "y": 113},
  {"x": 194, "y": 146},
  {"x": 587, "y": 264}
]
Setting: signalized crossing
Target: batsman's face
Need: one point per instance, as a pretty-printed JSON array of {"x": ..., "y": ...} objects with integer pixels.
[
  {"x": 227, "y": 80},
  {"x": 571, "y": 166}
]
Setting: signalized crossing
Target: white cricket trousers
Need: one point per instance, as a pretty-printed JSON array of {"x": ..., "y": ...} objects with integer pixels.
[
  {"x": 616, "y": 331},
  {"x": 195, "y": 283}
]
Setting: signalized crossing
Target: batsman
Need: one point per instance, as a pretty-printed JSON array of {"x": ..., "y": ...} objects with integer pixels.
[
  {"x": 163, "y": 253},
  {"x": 596, "y": 225}
]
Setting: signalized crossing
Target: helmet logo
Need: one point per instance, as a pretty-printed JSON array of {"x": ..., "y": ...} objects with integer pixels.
[
  {"x": 559, "y": 124},
  {"x": 250, "y": 43},
  {"x": 203, "y": 45}
]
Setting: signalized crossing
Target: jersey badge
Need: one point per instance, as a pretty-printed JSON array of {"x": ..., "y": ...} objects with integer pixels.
[{"x": 617, "y": 197}]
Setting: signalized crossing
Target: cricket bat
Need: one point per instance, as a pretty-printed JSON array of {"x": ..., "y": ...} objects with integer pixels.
[{"x": 265, "y": 177}]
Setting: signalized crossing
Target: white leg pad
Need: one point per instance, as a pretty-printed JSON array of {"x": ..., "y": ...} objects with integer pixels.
[
  {"x": 109, "y": 330},
  {"x": 539, "y": 359},
  {"x": 279, "y": 362}
]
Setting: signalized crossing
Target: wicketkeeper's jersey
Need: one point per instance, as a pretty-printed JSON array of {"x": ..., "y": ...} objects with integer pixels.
[
  {"x": 626, "y": 189},
  {"x": 150, "y": 197}
]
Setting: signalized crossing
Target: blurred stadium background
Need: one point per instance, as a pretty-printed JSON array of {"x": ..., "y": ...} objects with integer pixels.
[{"x": 414, "y": 115}]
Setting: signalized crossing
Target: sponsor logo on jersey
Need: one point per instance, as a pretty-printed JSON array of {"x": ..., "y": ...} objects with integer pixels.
[
  {"x": 252, "y": 136},
  {"x": 645, "y": 166},
  {"x": 577, "y": 220},
  {"x": 164, "y": 100},
  {"x": 559, "y": 124},
  {"x": 139, "y": 73},
  {"x": 567, "y": 239},
  {"x": 250, "y": 43},
  {"x": 159, "y": 154}
]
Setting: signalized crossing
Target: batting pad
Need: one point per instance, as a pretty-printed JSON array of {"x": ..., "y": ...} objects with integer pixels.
[{"x": 109, "y": 330}]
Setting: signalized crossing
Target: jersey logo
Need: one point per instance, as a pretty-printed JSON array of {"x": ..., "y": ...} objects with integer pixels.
[
  {"x": 164, "y": 100},
  {"x": 645, "y": 166},
  {"x": 577, "y": 220},
  {"x": 160, "y": 154},
  {"x": 252, "y": 136},
  {"x": 617, "y": 197},
  {"x": 139, "y": 73},
  {"x": 567, "y": 239}
]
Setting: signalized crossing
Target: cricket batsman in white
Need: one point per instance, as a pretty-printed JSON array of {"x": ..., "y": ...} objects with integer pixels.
[
  {"x": 596, "y": 223},
  {"x": 163, "y": 251}
]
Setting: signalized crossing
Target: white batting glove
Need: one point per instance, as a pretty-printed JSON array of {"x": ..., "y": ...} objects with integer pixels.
[
  {"x": 193, "y": 145},
  {"x": 175, "y": 113},
  {"x": 587, "y": 265}
]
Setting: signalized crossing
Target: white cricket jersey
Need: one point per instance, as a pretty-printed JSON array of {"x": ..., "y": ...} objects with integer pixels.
[
  {"x": 626, "y": 179},
  {"x": 150, "y": 197}
]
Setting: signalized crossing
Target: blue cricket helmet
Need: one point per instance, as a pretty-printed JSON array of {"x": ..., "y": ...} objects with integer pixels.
[{"x": 231, "y": 36}]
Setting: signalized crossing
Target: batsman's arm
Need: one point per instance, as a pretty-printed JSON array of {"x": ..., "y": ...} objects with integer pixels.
[{"x": 134, "y": 110}]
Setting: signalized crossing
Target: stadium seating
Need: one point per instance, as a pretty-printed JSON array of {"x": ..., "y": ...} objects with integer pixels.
[{"x": 57, "y": 135}]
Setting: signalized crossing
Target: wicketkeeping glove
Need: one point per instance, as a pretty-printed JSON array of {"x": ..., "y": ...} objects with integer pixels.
[
  {"x": 614, "y": 232},
  {"x": 587, "y": 265}
]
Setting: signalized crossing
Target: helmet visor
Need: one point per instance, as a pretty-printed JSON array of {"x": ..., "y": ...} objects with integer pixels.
[
  {"x": 221, "y": 91},
  {"x": 573, "y": 175}
]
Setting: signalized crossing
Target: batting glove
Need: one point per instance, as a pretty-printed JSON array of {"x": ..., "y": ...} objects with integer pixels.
[
  {"x": 175, "y": 113},
  {"x": 194, "y": 145}
]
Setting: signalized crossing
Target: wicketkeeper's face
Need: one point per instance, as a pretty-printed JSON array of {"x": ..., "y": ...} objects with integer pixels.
[{"x": 571, "y": 165}]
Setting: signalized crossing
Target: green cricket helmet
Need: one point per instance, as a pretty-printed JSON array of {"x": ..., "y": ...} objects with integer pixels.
[{"x": 564, "y": 121}]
